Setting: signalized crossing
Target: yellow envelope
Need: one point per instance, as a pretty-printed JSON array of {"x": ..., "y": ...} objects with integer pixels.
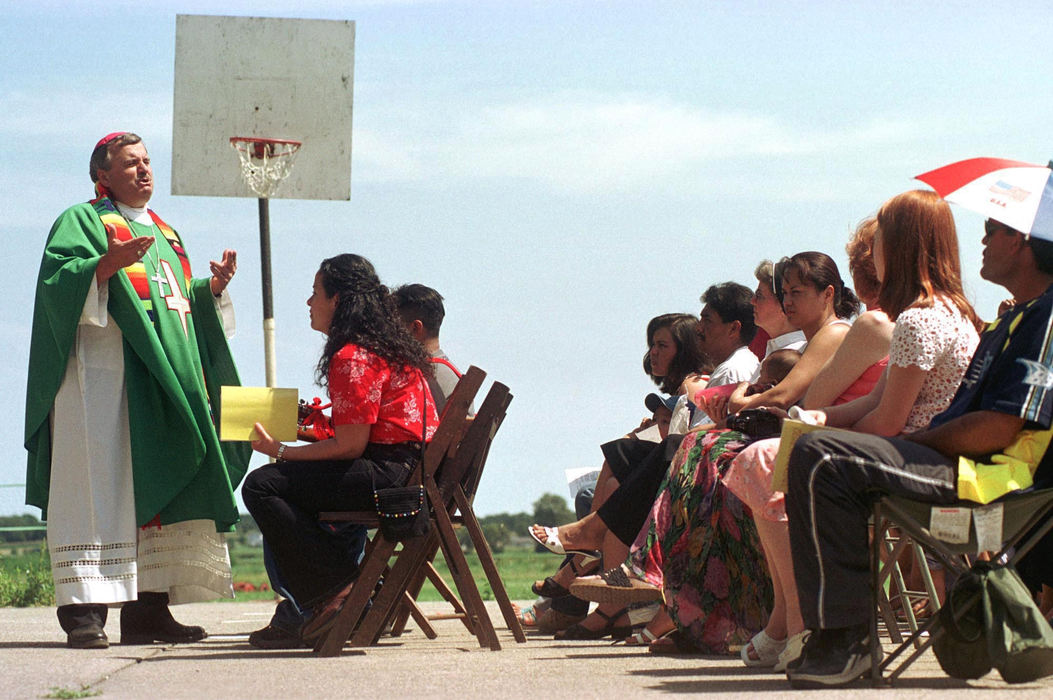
[{"x": 240, "y": 407}]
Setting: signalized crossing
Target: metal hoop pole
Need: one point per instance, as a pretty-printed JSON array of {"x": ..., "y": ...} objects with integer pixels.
[{"x": 270, "y": 361}]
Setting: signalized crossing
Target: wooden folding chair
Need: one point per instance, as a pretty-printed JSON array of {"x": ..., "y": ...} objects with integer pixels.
[
  {"x": 461, "y": 467},
  {"x": 1026, "y": 518},
  {"x": 459, "y": 482},
  {"x": 447, "y": 437}
]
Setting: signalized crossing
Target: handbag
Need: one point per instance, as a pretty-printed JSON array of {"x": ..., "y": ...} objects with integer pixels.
[
  {"x": 756, "y": 423},
  {"x": 402, "y": 511}
]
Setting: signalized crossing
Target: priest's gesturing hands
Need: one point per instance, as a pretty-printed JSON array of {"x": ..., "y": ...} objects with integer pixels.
[
  {"x": 120, "y": 254},
  {"x": 223, "y": 272}
]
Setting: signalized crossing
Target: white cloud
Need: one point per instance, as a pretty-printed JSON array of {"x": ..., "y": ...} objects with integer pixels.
[
  {"x": 586, "y": 143},
  {"x": 82, "y": 117}
]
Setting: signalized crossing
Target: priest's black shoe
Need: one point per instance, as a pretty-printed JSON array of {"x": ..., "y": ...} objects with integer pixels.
[
  {"x": 149, "y": 620},
  {"x": 89, "y": 636}
]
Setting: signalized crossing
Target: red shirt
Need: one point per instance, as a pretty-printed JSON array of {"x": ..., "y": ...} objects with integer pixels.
[{"x": 365, "y": 390}]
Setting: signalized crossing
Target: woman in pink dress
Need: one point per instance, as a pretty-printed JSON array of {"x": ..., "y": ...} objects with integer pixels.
[
  {"x": 916, "y": 256},
  {"x": 699, "y": 544}
]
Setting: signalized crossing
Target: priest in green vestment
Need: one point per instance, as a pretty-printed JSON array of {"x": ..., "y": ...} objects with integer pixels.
[{"x": 127, "y": 357}]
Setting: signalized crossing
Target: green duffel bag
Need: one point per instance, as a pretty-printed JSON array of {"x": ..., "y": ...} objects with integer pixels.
[
  {"x": 1020, "y": 640},
  {"x": 961, "y": 644}
]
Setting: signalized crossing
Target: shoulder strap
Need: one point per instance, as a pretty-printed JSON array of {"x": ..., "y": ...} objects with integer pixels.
[{"x": 444, "y": 361}]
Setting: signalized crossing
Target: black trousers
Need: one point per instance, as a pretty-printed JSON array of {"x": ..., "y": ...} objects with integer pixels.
[
  {"x": 286, "y": 497},
  {"x": 834, "y": 478},
  {"x": 640, "y": 467},
  {"x": 76, "y": 615},
  {"x": 146, "y": 605}
]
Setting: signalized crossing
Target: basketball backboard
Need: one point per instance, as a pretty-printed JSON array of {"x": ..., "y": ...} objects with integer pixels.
[{"x": 263, "y": 77}]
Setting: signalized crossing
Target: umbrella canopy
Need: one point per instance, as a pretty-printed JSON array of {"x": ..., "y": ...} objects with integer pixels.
[{"x": 1020, "y": 195}]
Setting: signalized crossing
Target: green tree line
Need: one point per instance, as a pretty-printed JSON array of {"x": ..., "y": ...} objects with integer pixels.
[
  {"x": 499, "y": 529},
  {"x": 26, "y": 521}
]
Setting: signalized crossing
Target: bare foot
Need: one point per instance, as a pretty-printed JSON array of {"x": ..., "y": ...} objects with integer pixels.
[{"x": 586, "y": 533}]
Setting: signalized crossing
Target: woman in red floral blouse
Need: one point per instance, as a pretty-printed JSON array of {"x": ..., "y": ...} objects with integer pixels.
[{"x": 374, "y": 371}]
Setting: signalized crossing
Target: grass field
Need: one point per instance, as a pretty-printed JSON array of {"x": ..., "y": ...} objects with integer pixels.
[
  {"x": 25, "y": 574},
  {"x": 519, "y": 567}
]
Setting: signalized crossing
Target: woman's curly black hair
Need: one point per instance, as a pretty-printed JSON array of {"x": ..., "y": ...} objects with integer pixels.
[{"x": 365, "y": 315}]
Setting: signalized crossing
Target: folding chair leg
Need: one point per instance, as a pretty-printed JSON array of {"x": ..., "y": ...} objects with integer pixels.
[
  {"x": 926, "y": 579},
  {"x": 390, "y": 593},
  {"x": 462, "y": 577},
  {"x": 887, "y": 562},
  {"x": 449, "y": 596},
  {"x": 486, "y": 558},
  {"x": 410, "y": 606},
  {"x": 905, "y": 603},
  {"x": 876, "y": 544},
  {"x": 429, "y": 573},
  {"x": 398, "y": 626},
  {"x": 330, "y": 644}
]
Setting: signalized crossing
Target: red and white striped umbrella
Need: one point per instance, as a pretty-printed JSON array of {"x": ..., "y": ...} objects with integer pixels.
[{"x": 1020, "y": 195}]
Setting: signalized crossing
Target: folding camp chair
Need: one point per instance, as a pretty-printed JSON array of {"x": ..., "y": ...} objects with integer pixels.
[
  {"x": 379, "y": 551},
  {"x": 894, "y": 546},
  {"x": 458, "y": 481},
  {"x": 1026, "y": 518}
]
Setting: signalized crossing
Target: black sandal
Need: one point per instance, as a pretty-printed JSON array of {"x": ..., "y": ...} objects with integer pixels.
[
  {"x": 550, "y": 589},
  {"x": 581, "y": 632}
]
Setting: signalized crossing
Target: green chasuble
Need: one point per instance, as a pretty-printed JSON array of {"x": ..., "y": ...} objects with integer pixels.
[{"x": 176, "y": 358}]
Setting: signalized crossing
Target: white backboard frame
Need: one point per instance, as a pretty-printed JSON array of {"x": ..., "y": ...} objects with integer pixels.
[{"x": 263, "y": 77}]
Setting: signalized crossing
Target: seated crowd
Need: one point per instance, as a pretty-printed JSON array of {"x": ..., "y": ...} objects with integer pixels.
[
  {"x": 685, "y": 542},
  {"x": 704, "y": 532},
  {"x": 700, "y": 552}
]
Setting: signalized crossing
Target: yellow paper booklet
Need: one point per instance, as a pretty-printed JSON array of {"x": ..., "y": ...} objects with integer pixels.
[
  {"x": 791, "y": 430},
  {"x": 241, "y": 407}
]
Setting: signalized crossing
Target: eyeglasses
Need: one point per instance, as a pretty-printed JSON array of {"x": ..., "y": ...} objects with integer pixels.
[{"x": 991, "y": 227}]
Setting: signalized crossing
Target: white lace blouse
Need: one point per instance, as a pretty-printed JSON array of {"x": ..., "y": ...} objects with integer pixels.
[{"x": 940, "y": 340}]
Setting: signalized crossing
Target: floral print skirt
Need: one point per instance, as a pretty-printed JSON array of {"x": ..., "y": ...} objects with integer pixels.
[{"x": 701, "y": 546}]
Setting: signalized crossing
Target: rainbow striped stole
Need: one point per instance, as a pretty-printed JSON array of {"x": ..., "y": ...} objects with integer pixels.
[{"x": 112, "y": 220}]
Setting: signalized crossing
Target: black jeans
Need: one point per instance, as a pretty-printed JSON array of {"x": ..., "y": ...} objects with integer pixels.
[
  {"x": 640, "y": 468},
  {"x": 286, "y": 497},
  {"x": 834, "y": 479}
]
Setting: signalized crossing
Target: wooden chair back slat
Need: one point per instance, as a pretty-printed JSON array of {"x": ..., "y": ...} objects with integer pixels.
[
  {"x": 465, "y": 463},
  {"x": 451, "y": 429},
  {"x": 461, "y": 483}
]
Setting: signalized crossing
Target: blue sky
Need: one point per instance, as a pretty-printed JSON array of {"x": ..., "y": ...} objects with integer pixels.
[{"x": 560, "y": 171}]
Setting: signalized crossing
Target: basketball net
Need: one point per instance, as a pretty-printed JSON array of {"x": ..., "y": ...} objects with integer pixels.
[{"x": 265, "y": 163}]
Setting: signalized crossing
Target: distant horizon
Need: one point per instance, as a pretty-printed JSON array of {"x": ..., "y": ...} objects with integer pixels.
[{"x": 560, "y": 171}]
